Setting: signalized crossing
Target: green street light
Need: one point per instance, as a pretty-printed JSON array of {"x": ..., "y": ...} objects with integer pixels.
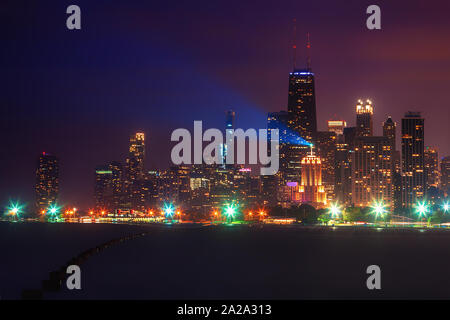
[
  {"x": 379, "y": 209},
  {"x": 446, "y": 207},
  {"x": 53, "y": 210},
  {"x": 230, "y": 211},
  {"x": 422, "y": 209},
  {"x": 15, "y": 209},
  {"x": 168, "y": 210},
  {"x": 335, "y": 210}
]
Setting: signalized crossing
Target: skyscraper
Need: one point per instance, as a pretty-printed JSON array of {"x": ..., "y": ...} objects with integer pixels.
[
  {"x": 103, "y": 188},
  {"x": 326, "y": 145},
  {"x": 389, "y": 131},
  {"x": 364, "y": 121},
  {"x": 413, "y": 158},
  {"x": 337, "y": 126},
  {"x": 311, "y": 188},
  {"x": 135, "y": 172},
  {"x": 302, "y": 121},
  {"x": 117, "y": 184},
  {"x": 47, "y": 182},
  {"x": 445, "y": 175},
  {"x": 302, "y": 104},
  {"x": 343, "y": 174},
  {"x": 372, "y": 171},
  {"x": 136, "y": 156},
  {"x": 431, "y": 166},
  {"x": 389, "y": 128}
]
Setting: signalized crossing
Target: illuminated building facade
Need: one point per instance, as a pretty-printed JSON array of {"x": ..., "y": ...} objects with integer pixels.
[
  {"x": 413, "y": 160},
  {"x": 445, "y": 175},
  {"x": 389, "y": 131},
  {"x": 431, "y": 167},
  {"x": 311, "y": 188},
  {"x": 47, "y": 182},
  {"x": 372, "y": 171},
  {"x": 337, "y": 126},
  {"x": 117, "y": 181},
  {"x": 343, "y": 174},
  {"x": 135, "y": 173},
  {"x": 364, "y": 121},
  {"x": 136, "y": 156}
]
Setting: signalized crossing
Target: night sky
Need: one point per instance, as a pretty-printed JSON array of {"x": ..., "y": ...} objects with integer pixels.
[{"x": 159, "y": 65}]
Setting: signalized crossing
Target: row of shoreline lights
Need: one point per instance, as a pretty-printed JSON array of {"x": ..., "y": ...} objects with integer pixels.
[
  {"x": 379, "y": 209},
  {"x": 15, "y": 209}
]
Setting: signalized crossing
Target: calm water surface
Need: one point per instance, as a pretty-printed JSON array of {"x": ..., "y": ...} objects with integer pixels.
[{"x": 236, "y": 262}]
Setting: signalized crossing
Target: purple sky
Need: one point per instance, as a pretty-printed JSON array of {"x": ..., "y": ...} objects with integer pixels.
[{"x": 157, "y": 65}]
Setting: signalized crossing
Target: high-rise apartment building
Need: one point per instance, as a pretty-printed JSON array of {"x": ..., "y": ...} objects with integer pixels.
[
  {"x": 47, "y": 182},
  {"x": 103, "y": 188},
  {"x": 445, "y": 175},
  {"x": 413, "y": 165},
  {"x": 364, "y": 121},
  {"x": 326, "y": 145},
  {"x": 431, "y": 167},
  {"x": 372, "y": 171}
]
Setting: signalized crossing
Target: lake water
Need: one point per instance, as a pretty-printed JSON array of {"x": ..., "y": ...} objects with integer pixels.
[{"x": 228, "y": 262}]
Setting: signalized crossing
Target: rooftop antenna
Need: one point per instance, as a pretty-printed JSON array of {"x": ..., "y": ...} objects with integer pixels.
[
  {"x": 308, "y": 56},
  {"x": 294, "y": 46}
]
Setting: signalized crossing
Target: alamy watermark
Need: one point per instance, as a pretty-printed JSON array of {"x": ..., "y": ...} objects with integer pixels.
[{"x": 220, "y": 152}]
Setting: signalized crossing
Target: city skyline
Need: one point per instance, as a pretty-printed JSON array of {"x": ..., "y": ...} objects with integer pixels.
[{"x": 77, "y": 142}]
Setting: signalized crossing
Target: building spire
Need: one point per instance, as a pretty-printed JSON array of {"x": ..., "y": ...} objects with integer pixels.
[
  {"x": 294, "y": 46},
  {"x": 308, "y": 55}
]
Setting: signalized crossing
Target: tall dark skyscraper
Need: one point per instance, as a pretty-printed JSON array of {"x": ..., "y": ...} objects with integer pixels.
[
  {"x": 302, "y": 121},
  {"x": 108, "y": 188},
  {"x": 364, "y": 121},
  {"x": 47, "y": 182},
  {"x": 413, "y": 158},
  {"x": 302, "y": 104},
  {"x": 103, "y": 187}
]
